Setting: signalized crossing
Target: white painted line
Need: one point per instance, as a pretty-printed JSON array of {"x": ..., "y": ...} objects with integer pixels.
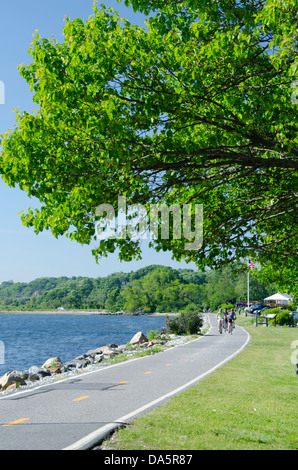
[{"x": 94, "y": 437}]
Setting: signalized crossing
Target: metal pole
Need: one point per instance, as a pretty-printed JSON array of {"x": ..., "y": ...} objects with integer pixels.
[{"x": 248, "y": 289}]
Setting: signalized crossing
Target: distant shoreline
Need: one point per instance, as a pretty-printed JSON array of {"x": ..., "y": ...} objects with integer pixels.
[{"x": 79, "y": 312}]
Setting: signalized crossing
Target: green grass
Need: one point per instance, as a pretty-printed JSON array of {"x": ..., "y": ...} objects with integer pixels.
[{"x": 249, "y": 403}]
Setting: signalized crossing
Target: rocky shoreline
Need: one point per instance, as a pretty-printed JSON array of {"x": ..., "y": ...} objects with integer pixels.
[
  {"x": 54, "y": 369},
  {"x": 82, "y": 312}
]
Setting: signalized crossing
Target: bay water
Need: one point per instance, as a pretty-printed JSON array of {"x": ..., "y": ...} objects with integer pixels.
[{"x": 30, "y": 339}]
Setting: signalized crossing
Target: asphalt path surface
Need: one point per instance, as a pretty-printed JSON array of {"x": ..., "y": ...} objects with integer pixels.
[{"x": 77, "y": 413}]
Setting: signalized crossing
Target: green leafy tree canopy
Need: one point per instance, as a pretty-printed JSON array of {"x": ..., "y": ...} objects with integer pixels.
[{"x": 198, "y": 107}]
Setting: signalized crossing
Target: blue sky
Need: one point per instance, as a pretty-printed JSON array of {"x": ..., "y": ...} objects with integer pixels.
[{"x": 25, "y": 256}]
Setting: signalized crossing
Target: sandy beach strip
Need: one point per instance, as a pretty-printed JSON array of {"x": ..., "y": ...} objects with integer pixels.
[{"x": 56, "y": 312}]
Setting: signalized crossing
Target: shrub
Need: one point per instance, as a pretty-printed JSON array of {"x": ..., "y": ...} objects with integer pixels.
[
  {"x": 283, "y": 317},
  {"x": 191, "y": 307},
  {"x": 185, "y": 324},
  {"x": 152, "y": 334},
  {"x": 270, "y": 310}
]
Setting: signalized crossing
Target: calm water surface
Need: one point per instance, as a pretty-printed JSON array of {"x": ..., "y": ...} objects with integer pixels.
[{"x": 27, "y": 340}]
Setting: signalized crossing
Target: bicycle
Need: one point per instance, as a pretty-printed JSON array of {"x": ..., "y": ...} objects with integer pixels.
[
  {"x": 231, "y": 320},
  {"x": 219, "y": 318}
]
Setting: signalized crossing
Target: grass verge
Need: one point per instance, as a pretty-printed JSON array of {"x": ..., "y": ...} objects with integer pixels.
[{"x": 248, "y": 404}]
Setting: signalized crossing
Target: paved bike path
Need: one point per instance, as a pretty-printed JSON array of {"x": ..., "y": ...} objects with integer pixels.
[{"x": 76, "y": 413}]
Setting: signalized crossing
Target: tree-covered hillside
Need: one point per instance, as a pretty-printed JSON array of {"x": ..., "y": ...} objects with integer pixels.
[{"x": 151, "y": 289}]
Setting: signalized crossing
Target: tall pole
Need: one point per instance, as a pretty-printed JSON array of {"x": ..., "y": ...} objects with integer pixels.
[{"x": 248, "y": 289}]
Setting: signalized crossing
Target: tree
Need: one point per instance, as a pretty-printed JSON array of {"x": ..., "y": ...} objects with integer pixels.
[
  {"x": 220, "y": 287},
  {"x": 196, "y": 108},
  {"x": 258, "y": 290},
  {"x": 162, "y": 290},
  {"x": 114, "y": 301}
]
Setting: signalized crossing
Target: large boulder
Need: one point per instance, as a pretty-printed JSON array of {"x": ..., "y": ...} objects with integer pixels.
[
  {"x": 74, "y": 364},
  {"x": 68, "y": 366},
  {"x": 53, "y": 362},
  {"x": 11, "y": 378},
  {"x": 138, "y": 338},
  {"x": 37, "y": 373},
  {"x": 109, "y": 353}
]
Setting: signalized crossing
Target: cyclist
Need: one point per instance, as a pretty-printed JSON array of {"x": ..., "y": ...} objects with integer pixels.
[
  {"x": 220, "y": 318},
  {"x": 232, "y": 318},
  {"x": 225, "y": 322}
]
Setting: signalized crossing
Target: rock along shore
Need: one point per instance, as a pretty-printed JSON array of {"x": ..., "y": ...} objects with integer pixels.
[
  {"x": 54, "y": 369},
  {"x": 82, "y": 312}
]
